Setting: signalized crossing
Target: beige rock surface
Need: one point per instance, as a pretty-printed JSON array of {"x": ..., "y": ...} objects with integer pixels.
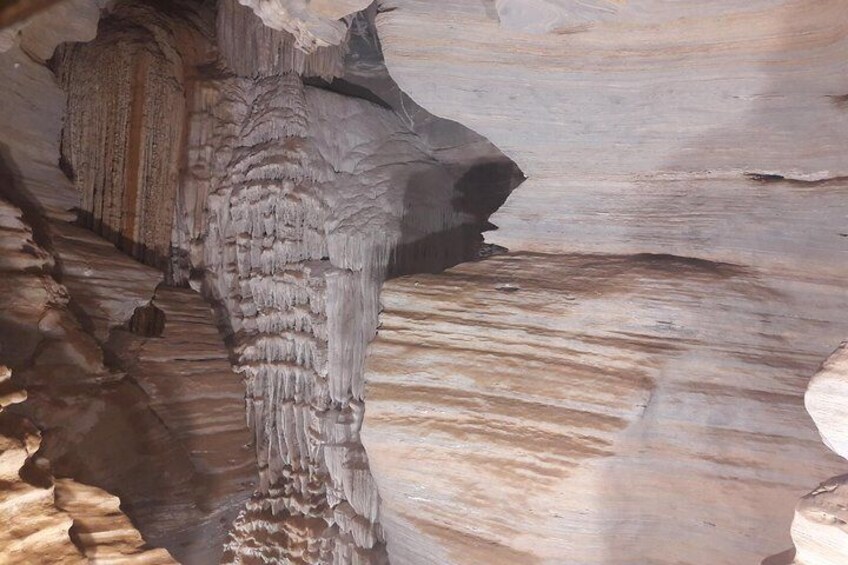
[
  {"x": 651, "y": 132},
  {"x": 819, "y": 529},
  {"x": 827, "y": 401},
  {"x": 541, "y": 408},
  {"x": 313, "y": 23},
  {"x": 637, "y": 133}
]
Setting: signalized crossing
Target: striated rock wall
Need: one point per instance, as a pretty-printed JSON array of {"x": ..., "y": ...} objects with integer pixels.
[
  {"x": 123, "y": 136},
  {"x": 637, "y": 133},
  {"x": 707, "y": 137},
  {"x": 595, "y": 409}
]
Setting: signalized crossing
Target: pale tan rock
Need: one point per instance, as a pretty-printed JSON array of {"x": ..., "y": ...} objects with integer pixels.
[
  {"x": 534, "y": 408},
  {"x": 820, "y": 527},
  {"x": 103, "y": 532},
  {"x": 827, "y": 401},
  {"x": 643, "y": 128},
  {"x": 61, "y": 522}
]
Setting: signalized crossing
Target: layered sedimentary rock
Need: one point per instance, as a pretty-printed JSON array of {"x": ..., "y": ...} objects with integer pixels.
[
  {"x": 654, "y": 403},
  {"x": 661, "y": 143},
  {"x": 624, "y": 387},
  {"x": 637, "y": 133}
]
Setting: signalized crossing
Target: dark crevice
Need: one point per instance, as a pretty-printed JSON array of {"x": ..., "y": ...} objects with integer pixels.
[
  {"x": 768, "y": 178},
  {"x": 147, "y": 321}
]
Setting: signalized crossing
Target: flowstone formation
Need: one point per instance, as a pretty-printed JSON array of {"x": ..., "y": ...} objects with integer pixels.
[{"x": 228, "y": 213}]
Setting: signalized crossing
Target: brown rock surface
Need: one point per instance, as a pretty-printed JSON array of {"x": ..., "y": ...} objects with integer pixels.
[{"x": 61, "y": 522}]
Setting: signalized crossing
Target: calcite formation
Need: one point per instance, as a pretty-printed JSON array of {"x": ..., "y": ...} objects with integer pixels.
[
  {"x": 312, "y": 23},
  {"x": 285, "y": 206},
  {"x": 201, "y": 200}
]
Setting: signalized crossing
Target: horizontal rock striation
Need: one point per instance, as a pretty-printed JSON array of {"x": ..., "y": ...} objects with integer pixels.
[
  {"x": 637, "y": 133},
  {"x": 650, "y": 133},
  {"x": 595, "y": 409}
]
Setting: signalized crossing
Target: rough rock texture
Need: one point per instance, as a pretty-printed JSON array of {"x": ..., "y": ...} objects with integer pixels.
[
  {"x": 101, "y": 530},
  {"x": 124, "y": 130},
  {"x": 100, "y": 426},
  {"x": 61, "y": 522},
  {"x": 35, "y": 528},
  {"x": 196, "y": 148},
  {"x": 623, "y": 387},
  {"x": 296, "y": 203},
  {"x": 304, "y": 217}
]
